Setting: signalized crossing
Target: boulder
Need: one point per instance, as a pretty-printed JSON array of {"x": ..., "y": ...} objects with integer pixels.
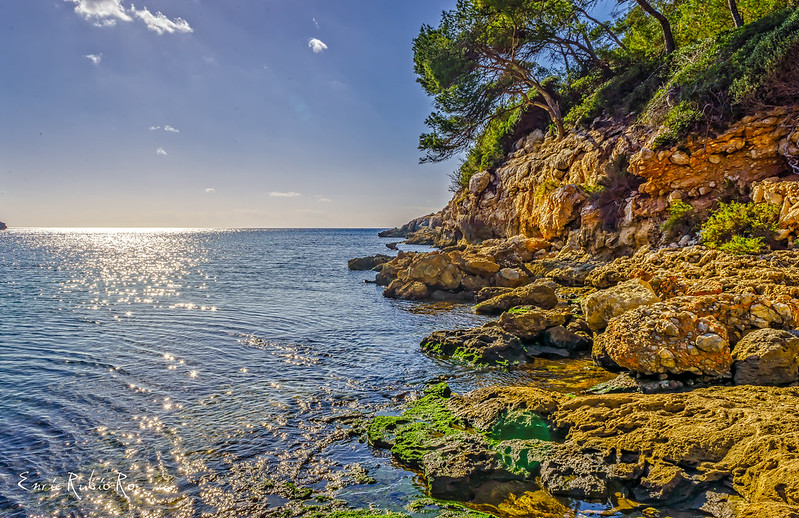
[
  {"x": 408, "y": 290},
  {"x": 539, "y": 294},
  {"x": 528, "y": 322},
  {"x": 488, "y": 345},
  {"x": 368, "y": 263},
  {"x": 601, "y": 306},
  {"x": 560, "y": 337},
  {"x": 3, "y": 226},
  {"x": 479, "y": 182},
  {"x": 766, "y": 357},
  {"x": 663, "y": 338}
]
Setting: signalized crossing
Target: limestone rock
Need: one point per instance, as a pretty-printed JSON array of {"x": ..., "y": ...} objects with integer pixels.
[
  {"x": 663, "y": 338},
  {"x": 479, "y": 182},
  {"x": 477, "y": 346},
  {"x": 368, "y": 263},
  {"x": 535, "y": 294},
  {"x": 600, "y": 307},
  {"x": 570, "y": 472},
  {"x": 528, "y": 323},
  {"x": 766, "y": 357},
  {"x": 459, "y": 463}
]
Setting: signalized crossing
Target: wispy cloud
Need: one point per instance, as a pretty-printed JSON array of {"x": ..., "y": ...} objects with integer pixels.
[
  {"x": 275, "y": 194},
  {"x": 161, "y": 151},
  {"x": 315, "y": 22},
  {"x": 166, "y": 127},
  {"x": 210, "y": 190},
  {"x": 106, "y": 13},
  {"x": 316, "y": 45},
  {"x": 94, "y": 58},
  {"x": 160, "y": 23},
  {"x": 324, "y": 200},
  {"x": 102, "y": 13}
]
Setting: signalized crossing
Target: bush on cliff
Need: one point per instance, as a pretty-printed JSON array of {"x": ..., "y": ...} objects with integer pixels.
[{"x": 741, "y": 227}]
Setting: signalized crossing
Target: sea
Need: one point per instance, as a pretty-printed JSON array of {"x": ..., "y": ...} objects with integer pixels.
[{"x": 170, "y": 372}]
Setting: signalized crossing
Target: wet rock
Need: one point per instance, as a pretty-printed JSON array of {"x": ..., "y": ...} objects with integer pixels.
[
  {"x": 489, "y": 292},
  {"x": 662, "y": 483},
  {"x": 529, "y": 322},
  {"x": 570, "y": 472},
  {"x": 621, "y": 384},
  {"x": 535, "y": 294},
  {"x": 766, "y": 357},
  {"x": 477, "y": 346},
  {"x": 600, "y": 307},
  {"x": 459, "y": 463},
  {"x": 599, "y": 354},
  {"x": 409, "y": 290},
  {"x": 561, "y": 338},
  {"x": 368, "y": 263}
]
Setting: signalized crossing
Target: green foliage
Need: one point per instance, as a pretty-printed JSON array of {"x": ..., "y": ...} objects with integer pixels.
[
  {"x": 691, "y": 21},
  {"x": 682, "y": 219},
  {"x": 741, "y": 227},
  {"x": 627, "y": 91},
  {"x": 743, "y": 245},
  {"x": 677, "y": 124},
  {"x": 491, "y": 147},
  {"x": 711, "y": 79}
]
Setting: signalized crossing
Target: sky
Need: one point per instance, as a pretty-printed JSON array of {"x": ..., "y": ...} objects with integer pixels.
[{"x": 214, "y": 113}]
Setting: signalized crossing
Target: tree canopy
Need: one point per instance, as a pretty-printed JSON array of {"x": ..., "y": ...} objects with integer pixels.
[{"x": 489, "y": 62}]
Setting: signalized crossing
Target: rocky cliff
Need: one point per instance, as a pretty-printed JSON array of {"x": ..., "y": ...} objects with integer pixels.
[{"x": 605, "y": 189}]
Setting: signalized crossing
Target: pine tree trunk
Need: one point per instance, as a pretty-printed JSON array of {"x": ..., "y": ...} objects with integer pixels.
[
  {"x": 664, "y": 24},
  {"x": 736, "y": 16}
]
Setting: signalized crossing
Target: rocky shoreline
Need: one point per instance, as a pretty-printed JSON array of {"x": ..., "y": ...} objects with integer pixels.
[
  {"x": 596, "y": 247},
  {"x": 700, "y": 418}
]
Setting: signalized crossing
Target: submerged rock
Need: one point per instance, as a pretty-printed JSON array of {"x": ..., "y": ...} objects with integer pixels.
[{"x": 767, "y": 357}]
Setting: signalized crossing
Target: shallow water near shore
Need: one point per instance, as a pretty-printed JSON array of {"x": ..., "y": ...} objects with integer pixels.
[{"x": 174, "y": 372}]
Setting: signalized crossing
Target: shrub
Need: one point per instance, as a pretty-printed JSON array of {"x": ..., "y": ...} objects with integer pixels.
[
  {"x": 678, "y": 123},
  {"x": 682, "y": 220},
  {"x": 743, "y": 245},
  {"x": 741, "y": 227},
  {"x": 490, "y": 149}
]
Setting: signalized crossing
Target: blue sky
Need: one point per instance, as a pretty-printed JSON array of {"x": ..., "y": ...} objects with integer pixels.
[{"x": 213, "y": 113}]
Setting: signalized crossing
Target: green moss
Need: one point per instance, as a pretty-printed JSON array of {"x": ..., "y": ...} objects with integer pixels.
[
  {"x": 409, "y": 436},
  {"x": 357, "y": 513},
  {"x": 741, "y": 227},
  {"x": 519, "y": 425}
]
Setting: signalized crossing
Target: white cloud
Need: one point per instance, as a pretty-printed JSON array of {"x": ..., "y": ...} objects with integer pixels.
[
  {"x": 106, "y": 13},
  {"x": 159, "y": 22},
  {"x": 94, "y": 58},
  {"x": 103, "y": 13},
  {"x": 284, "y": 194},
  {"x": 161, "y": 151},
  {"x": 166, "y": 127},
  {"x": 324, "y": 200},
  {"x": 316, "y": 45},
  {"x": 315, "y": 22},
  {"x": 210, "y": 190}
]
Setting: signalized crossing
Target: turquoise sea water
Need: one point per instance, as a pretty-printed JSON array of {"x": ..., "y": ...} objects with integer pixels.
[{"x": 158, "y": 372}]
